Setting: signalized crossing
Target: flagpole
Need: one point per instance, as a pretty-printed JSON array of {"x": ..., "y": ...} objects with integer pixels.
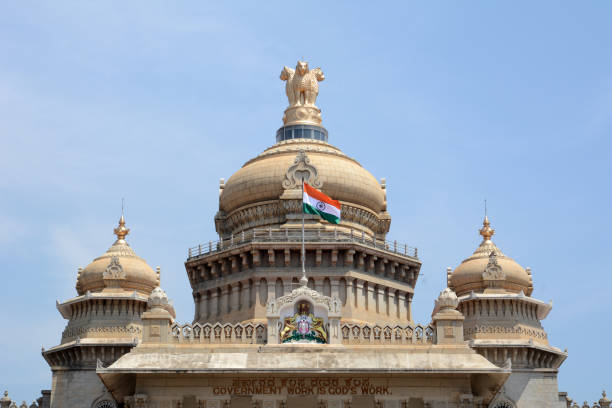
[{"x": 304, "y": 280}]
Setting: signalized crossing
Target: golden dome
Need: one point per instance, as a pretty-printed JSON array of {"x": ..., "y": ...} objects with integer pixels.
[
  {"x": 489, "y": 270},
  {"x": 118, "y": 269},
  {"x": 260, "y": 180}
]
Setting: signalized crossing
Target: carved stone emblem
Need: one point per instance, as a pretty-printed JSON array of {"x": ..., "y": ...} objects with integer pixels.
[
  {"x": 302, "y": 89},
  {"x": 114, "y": 270},
  {"x": 493, "y": 273},
  {"x": 300, "y": 171}
]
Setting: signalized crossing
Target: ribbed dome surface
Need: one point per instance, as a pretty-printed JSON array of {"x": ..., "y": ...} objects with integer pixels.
[
  {"x": 118, "y": 269},
  {"x": 468, "y": 276},
  {"x": 261, "y": 178}
]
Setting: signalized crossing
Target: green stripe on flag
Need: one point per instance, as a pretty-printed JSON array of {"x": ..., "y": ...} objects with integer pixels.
[{"x": 308, "y": 209}]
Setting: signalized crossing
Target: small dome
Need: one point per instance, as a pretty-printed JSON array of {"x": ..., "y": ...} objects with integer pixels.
[
  {"x": 261, "y": 179},
  {"x": 488, "y": 269},
  {"x": 118, "y": 269}
]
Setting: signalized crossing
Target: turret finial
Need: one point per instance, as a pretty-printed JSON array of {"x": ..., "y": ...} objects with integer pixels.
[
  {"x": 486, "y": 231},
  {"x": 121, "y": 231}
]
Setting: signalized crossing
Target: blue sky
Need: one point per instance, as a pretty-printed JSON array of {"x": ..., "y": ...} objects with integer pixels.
[{"x": 452, "y": 102}]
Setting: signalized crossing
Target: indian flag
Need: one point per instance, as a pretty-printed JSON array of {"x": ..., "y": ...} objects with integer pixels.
[{"x": 317, "y": 203}]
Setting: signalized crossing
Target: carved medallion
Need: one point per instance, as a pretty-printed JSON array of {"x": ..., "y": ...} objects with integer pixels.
[
  {"x": 114, "y": 270},
  {"x": 493, "y": 273},
  {"x": 300, "y": 171}
]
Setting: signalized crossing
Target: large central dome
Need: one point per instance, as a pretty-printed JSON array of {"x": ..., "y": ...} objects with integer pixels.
[
  {"x": 260, "y": 187},
  {"x": 266, "y": 191}
]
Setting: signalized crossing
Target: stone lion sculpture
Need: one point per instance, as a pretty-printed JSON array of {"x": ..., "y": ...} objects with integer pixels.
[{"x": 302, "y": 84}]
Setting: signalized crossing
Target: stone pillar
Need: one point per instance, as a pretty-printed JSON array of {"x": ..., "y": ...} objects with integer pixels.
[
  {"x": 224, "y": 301},
  {"x": 271, "y": 288},
  {"x": 408, "y": 312},
  {"x": 388, "y": 301},
  {"x": 287, "y": 286},
  {"x": 334, "y": 315},
  {"x": 214, "y": 305},
  {"x": 246, "y": 295},
  {"x": 372, "y": 298},
  {"x": 318, "y": 284},
  {"x": 273, "y": 319},
  {"x": 335, "y": 285},
  {"x": 350, "y": 299},
  {"x": 197, "y": 298},
  {"x": 235, "y": 298},
  {"x": 360, "y": 297},
  {"x": 402, "y": 306},
  {"x": 396, "y": 305},
  {"x": 376, "y": 293},
  {"x": 204, "y": 310}
]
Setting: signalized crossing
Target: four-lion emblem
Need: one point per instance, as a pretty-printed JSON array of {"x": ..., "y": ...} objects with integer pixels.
[{"x": 302, "y": 84}]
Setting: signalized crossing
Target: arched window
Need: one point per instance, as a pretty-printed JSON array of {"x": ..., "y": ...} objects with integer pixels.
[
  {"x": 105, "y": 403},
  {"x": 502, "y": 404}
]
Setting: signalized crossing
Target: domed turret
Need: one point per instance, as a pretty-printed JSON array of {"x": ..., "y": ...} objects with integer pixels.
[
  {"x": 489, "y": 270},
  {"x": 118, "y": 269},
  {"x": 104, "y": 321}
]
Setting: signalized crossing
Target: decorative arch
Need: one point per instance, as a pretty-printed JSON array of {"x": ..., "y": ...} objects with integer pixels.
[
  {"x": 105, "y": 404},
  {"x": 502, "y": 402},
  {"x": 105, "y": 400}
]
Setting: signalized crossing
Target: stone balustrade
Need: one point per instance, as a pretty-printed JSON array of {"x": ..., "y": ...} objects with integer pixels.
[
  {"x": 603, "y": 402},
  {"x": 42, "y": 402},
  {"x": 256, "y": 334},
  {"x": 218, "y": 333}
]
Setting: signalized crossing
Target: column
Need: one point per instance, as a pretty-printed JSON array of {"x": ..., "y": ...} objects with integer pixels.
[
  {"x": 287, "y": 287},
  {"x": 235, "y": 297},
  {"x": 214, "y": 305},
  {"x": 246, "y": 295},
  {"x": 360, "y": 298},
  {"x": 372, "y": 298},
  {"x": 409, "y": 306},
  {"x": 335, "y": 284},
  {"x": 196, "y": 302},
  {"x": 224, "y": 301},
  {"x": 318, "y": 284},
  {"x": 203, "y": 306},
  {"x": 271, "y": 288}
]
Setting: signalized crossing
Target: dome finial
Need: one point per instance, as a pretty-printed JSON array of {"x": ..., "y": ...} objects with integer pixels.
[
  {"x": 121, "y": 231},
  {"x": 486, "y": 231}
]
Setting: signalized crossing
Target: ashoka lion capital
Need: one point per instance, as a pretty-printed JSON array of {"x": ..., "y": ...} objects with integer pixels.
[{"x": 302, "y": 90}]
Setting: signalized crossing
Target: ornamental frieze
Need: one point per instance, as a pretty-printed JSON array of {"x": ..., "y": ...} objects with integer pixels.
[
  {"x": 485, "y": 329},
  {"x": 104, "y": 330},
  {"x": 275, "y": 213}
]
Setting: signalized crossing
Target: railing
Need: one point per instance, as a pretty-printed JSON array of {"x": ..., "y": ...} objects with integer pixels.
[
  {"x": 227, "y": 333},
  {"x": 295, "y": 235},
  {"x": 375, "y": 334}
]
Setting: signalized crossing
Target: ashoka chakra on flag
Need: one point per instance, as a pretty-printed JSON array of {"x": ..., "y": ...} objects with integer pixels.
[{"x": 317, "y": 203}]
